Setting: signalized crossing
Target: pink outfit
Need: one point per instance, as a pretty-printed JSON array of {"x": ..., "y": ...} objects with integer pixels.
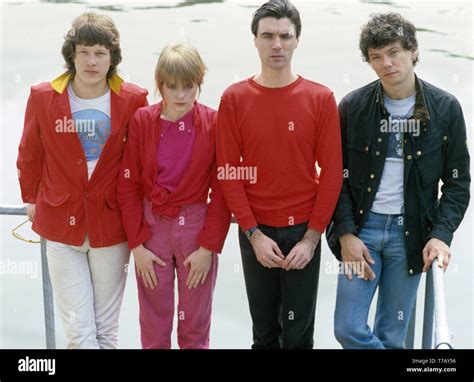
[
  {"x": 173, "y": 240},
  {"x": 175, "y": 150}
]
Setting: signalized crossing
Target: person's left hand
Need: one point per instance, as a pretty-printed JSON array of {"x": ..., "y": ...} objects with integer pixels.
[
  {"x": 302, "y": 253},
  {"x": 199, "y": 262},
  {"x": 436, "y": 248}
]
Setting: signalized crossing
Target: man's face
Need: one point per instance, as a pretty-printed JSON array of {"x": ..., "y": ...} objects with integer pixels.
[
  {"x": 392, "y": 63},
  {"x": 92, "y": 63},
  {"x": 275, "y": 41}
]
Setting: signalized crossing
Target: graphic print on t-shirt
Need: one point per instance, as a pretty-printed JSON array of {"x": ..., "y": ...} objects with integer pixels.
[{"x": 93, "y": 129}]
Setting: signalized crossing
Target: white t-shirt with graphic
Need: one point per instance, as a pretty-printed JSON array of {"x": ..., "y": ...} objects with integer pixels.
[
  {"x": 92, "y": 122},
  {"x": 389, "y": 197}
]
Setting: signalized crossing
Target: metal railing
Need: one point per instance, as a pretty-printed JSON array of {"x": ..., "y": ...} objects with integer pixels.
[
  {"x": 48, "y": 302},
  {"x": 434, "y": 305}
]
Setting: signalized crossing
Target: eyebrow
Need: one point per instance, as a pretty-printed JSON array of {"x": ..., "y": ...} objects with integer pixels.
[
  {"x": 285, "y": 34},
  {"x": 388, "y": 51}
]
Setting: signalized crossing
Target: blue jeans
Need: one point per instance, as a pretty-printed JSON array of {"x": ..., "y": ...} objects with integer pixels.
[{"x": 384, "y": 237}]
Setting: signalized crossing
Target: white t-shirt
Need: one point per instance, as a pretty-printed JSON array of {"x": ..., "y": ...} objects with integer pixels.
[
  {"x": 389, "y": 197},
  {"x": 92, "y": 122}
]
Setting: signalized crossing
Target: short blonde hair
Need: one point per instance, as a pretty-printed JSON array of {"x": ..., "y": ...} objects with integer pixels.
[{"x": 179, "y": 63}]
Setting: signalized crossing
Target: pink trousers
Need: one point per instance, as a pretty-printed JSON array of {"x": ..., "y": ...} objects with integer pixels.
[{"x": 173, "y": 240}]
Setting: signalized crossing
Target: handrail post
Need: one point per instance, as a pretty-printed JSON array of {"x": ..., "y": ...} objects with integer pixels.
[
  {"x": 410, "y": 337},
  {"x": 427, "y": 341},
  {"x": 47, "y": 299},
  {"x": 442, "y": 333}
]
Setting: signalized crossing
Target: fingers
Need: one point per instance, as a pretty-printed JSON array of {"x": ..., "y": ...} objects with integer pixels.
[
  {"x": 149, "y": 279},
  {"x": 440, "y": 260},
  {"x": 426, "y": 259},
  {"x": 447, "y": 258},
  {"x": 277, "y": 251},
  {"x": 443, "y": 260},
  {"x": 157, "y": 260},
  {"x": 190, "y": 277},
  {"x": 195, "y": 279},
  {"x": 288, "y": 260},
  {"x": 366, "y": 254},
  {"x": 347, "y": 270},
  {"x": 367, "y": 271}
]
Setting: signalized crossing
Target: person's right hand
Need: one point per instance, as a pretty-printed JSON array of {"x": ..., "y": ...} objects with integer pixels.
[
  {"x": 30, "y": 211},
  {"x": 266, "y": 250},
  {"x": 144, "y": 260},
  {"x": 356, "y": 257}
]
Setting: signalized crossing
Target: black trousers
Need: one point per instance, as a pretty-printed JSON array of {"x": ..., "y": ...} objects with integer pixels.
[{"x": 282, "y": 303}]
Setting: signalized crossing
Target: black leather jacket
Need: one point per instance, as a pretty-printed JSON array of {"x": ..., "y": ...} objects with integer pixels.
[{"x": 438, "y": 152}]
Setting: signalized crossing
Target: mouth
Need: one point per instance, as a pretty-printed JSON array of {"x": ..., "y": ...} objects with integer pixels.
[
  {"x": 91, "y": 72},
  {"x": 390, "y": 74}
]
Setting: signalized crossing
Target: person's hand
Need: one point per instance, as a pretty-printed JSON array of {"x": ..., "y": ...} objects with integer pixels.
[
  {"x": 302, "y": 253},
  {"x": 30, "y": 211},
  {"x": 144, "y": 259},
  {"x": 199, "y": 263},
  {"x": 436, "y": 248},
  {"x": 356, "y": 257},
  {"x": 266, "y": 250}
]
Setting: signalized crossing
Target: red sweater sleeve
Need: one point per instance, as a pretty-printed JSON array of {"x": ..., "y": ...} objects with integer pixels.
[
  {"x": 228, "y": 152},
  {"x": 329, "y": 158},
  {"x": 129, "y": 187},
  {"x": 217, "y": 223},
  {"x": 30, "y": 155}
]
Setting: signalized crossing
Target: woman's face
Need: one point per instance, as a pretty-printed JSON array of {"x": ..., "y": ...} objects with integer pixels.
[{"x": 178, "y": 98}]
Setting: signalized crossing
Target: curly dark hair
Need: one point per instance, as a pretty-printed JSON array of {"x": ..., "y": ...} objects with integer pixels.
[
  {"x": 384, "y": 29},
  {"x": 90, "y": 29},
  {"x": 278, "y": 9}
]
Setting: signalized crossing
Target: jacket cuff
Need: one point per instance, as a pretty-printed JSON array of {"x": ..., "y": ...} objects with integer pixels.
[
  {"x": 144, "y": 236},
  {"x": 346, "y": 226},
  {"x": 441, "y": 234}
]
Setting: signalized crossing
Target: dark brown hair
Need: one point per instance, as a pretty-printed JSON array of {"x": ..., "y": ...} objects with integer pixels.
[
  {"x": 384, "y": 29},
  {"x": 278, "y": 9},
  {"x": 90, "y": 29}
]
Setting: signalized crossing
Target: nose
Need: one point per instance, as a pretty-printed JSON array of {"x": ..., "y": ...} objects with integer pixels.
[
  {"x": 91, "y": 61},
  {"x": 277, "y": 44},
  {"x": 387, "y": 62}
]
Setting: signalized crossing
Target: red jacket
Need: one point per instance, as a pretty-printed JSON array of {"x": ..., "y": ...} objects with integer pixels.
[
  {"x": 139, "y": 170},
  {"x": 52, "y": 168}
]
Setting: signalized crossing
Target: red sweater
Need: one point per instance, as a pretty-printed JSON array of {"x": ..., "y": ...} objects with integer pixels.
[
  {"x": 138, "y": 173},
  {"x": 282, "y": 133}
]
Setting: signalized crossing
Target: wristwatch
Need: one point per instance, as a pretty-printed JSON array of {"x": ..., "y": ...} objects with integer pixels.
[{"x": 250, "y": 232}]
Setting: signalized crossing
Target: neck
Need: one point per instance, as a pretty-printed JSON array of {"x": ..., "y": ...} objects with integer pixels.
[
  {"x": 401, "y": 91},
  {"x": 86, "y": 91},
  {"x": 271, "y": 78},
  {"x": 173, "y": 115}
]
